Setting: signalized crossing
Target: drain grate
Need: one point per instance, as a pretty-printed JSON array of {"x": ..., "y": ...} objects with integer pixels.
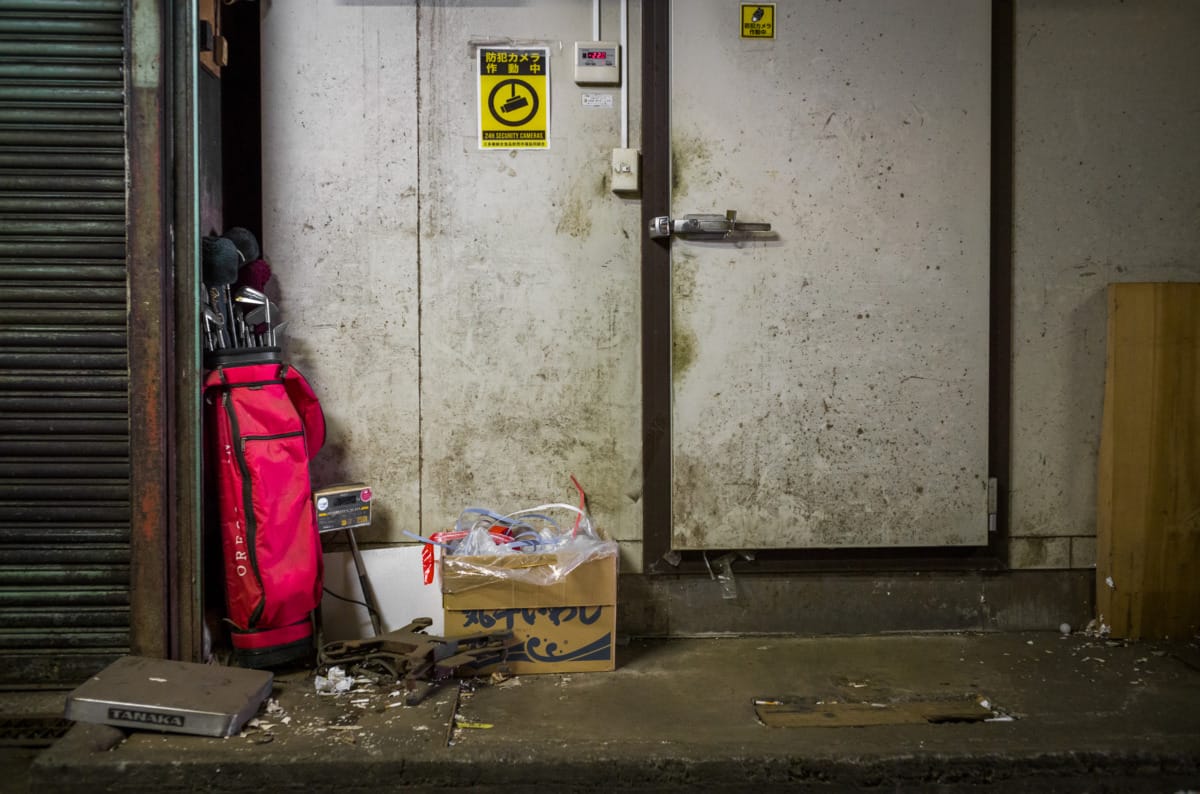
[{"x": 32, "y": 731}]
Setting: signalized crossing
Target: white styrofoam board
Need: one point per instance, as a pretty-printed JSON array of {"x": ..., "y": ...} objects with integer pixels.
[{"x": 394, "y": 574}]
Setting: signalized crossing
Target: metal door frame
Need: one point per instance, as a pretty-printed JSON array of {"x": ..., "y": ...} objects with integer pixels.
[
  {"x": 656, "y": 333},
  {"x": 164, "y": 337}
]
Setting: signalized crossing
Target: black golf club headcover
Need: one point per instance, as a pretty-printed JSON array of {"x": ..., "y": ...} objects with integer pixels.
[
  {"x": 246, "y": 242},
  {"x": 219, "y": 261}
]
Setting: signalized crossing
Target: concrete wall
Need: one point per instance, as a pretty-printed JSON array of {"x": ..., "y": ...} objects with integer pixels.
[
  {"x": 513, "y": 278},
  {"x": 1107, "y": 186},
  {"x": 469, "y": 318},
  {"x": 339, "y": 212},
  {"x": 529, "y": 270}
]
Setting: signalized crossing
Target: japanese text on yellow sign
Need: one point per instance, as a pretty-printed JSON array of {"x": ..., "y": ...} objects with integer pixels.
[
  {"x": 758, "y": 20},
  {"x": 514, "y": 98}
]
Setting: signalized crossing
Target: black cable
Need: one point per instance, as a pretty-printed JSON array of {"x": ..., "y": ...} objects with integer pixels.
[{"x": 353, "y": 601}]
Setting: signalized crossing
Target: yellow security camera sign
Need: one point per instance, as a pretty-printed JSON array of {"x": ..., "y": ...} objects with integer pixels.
[
  {"x": 514, "y": 98},
  {"x": 758, "y": 20}
]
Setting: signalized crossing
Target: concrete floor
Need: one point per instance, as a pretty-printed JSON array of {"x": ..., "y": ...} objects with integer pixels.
[{"x": 1088, "y": 714}]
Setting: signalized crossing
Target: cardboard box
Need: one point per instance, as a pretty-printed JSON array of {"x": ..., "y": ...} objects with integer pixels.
[{"x": 564, "y": 627}]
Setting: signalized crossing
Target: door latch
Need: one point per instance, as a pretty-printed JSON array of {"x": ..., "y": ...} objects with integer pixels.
[{"x": 712, "y": 225}]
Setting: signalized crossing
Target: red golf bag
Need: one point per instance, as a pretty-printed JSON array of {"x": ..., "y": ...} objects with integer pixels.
[{"x": 264, "y": 425}]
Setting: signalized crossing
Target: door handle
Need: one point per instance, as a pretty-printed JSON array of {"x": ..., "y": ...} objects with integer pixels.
[{"x": 705, "y": 224}]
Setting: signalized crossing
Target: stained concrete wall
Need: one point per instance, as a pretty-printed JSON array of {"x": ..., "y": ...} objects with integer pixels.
[
  {"x": 1107, "y": 188},
  {"x": 830, "y": 382},
  {"x": 512, "y": 278},
  {"x": 340, "y": 232},
  {"x": 529, "y": 275}
]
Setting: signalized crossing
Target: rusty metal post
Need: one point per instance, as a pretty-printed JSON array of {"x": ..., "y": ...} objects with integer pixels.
[
  {"x": 163, "y": 332},
  {"x": 148, "y": 202},
  {"x": 186, "y": 372}
]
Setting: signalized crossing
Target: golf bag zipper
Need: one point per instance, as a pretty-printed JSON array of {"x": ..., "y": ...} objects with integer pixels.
[
  {"x": 273, "y": 437},
  {"x": 239, "y": 448}
]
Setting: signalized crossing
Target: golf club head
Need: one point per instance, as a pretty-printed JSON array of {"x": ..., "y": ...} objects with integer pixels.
[
  {"x": 273, "y": 334},
  {"x": 216, "y": 303},
  {"x": 210, "y": 321},
  {"x": 257, "y": 325},
  {"x": 250, "y": 296},
  {"x": 260, "y": 314},
  {"x": 213, "y": 317},
  {"x": 255, "y": 316}
]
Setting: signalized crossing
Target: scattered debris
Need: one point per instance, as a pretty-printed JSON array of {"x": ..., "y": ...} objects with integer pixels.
[
  {"x": 421, "y": 661},
  {"x": 333, "y": 682},
  {"x": 504, "y": 680}
]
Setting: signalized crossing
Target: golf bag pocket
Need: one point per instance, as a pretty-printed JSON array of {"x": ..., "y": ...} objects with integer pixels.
[{"x": 259, "y": 447}]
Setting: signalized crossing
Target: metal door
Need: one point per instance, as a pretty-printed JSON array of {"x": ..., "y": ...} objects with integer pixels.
[
  {"x": 64, "y": 364},
  {"x": 830, "y": 377}
]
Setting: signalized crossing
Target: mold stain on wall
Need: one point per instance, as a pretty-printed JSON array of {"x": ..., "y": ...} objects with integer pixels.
[
  {"x": 576, "y": 219},
  {"x": 691, "y": 159},
  {"x": 684, "y": 341}
]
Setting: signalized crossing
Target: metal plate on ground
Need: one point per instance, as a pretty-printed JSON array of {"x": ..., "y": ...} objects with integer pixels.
[{"x": 177, "y": 697}]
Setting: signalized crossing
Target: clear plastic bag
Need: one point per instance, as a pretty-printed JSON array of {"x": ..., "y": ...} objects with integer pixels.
[{"x": 527, "y": 546}]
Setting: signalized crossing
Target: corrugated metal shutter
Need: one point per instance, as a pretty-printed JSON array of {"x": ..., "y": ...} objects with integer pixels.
[{"x": 64, "y": 405}]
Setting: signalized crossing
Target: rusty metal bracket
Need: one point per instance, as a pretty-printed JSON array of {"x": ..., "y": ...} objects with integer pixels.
[{"x": 421, "y": 661}]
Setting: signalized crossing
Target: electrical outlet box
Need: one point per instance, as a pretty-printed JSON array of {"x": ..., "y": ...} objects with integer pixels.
[
  {"x": 626, "y": 173},
  {"x": 597, "y": 63}
]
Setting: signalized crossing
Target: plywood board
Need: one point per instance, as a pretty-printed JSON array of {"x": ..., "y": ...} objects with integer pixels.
[{"x": 1148, "y": 520}]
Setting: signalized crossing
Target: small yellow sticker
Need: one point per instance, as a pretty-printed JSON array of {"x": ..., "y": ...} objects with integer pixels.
[{"x": 758, "y": 20}]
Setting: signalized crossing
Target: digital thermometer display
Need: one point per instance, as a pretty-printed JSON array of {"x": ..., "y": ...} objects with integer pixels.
[{"x": 597, "y": 63}]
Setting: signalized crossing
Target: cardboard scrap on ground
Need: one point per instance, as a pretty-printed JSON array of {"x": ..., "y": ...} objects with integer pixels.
[{"x": 810, "y": 712}]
